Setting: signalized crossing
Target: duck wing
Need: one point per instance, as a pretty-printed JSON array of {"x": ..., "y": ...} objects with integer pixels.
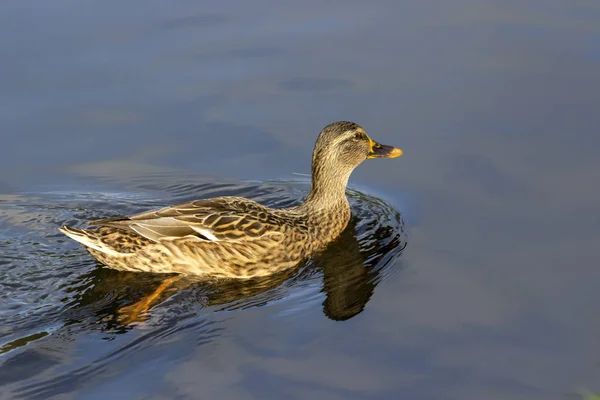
[{"x": 215, "y": 220}]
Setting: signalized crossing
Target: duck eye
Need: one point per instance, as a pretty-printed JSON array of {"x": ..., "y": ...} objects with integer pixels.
[{"x": 357, "y": 136}]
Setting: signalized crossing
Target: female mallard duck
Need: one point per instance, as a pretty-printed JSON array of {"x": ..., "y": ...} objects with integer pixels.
[{"x": 233, "y": 237}]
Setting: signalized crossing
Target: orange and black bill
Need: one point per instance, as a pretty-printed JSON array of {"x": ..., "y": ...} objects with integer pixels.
[{"x": 378, "y": 150}]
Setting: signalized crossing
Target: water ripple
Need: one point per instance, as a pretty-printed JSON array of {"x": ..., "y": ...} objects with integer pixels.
[{"x": 55, "y": 296}]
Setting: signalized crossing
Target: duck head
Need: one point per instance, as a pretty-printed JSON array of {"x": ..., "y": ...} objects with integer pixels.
[
  {"x": 346, "y": 144},
  {"x": 341, "y": 147}
]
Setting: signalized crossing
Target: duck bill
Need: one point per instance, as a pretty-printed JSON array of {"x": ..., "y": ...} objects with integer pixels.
[{"x": 378, "y": 150}]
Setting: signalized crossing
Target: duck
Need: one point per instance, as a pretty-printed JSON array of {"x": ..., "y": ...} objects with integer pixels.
[{"x": 235, "y": 237}]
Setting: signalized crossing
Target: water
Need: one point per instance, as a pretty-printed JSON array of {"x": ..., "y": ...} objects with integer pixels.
[{"x": 471, "y": 266}]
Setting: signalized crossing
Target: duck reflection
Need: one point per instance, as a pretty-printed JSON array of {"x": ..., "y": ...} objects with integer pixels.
[
  {"x": 350, "y": 270},
  {"x": 350, "y": 274}
]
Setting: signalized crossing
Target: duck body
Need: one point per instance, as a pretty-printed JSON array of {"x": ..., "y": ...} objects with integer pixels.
[
  {"x": 223, "y": 237},
  {"x": 234, "y": 237}
]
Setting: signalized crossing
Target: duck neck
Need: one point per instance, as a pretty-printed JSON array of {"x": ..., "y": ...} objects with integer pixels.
[{"x": 328, "y": 189}]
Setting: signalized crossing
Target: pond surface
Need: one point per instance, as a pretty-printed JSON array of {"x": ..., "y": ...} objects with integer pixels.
[{"x": 470, "y": 267}]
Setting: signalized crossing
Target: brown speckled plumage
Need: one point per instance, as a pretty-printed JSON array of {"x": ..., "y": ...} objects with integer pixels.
[{"x": 233, "y": 237}]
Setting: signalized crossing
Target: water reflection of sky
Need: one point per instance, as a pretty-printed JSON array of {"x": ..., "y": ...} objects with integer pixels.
[{"x": 495, "y": 105}]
